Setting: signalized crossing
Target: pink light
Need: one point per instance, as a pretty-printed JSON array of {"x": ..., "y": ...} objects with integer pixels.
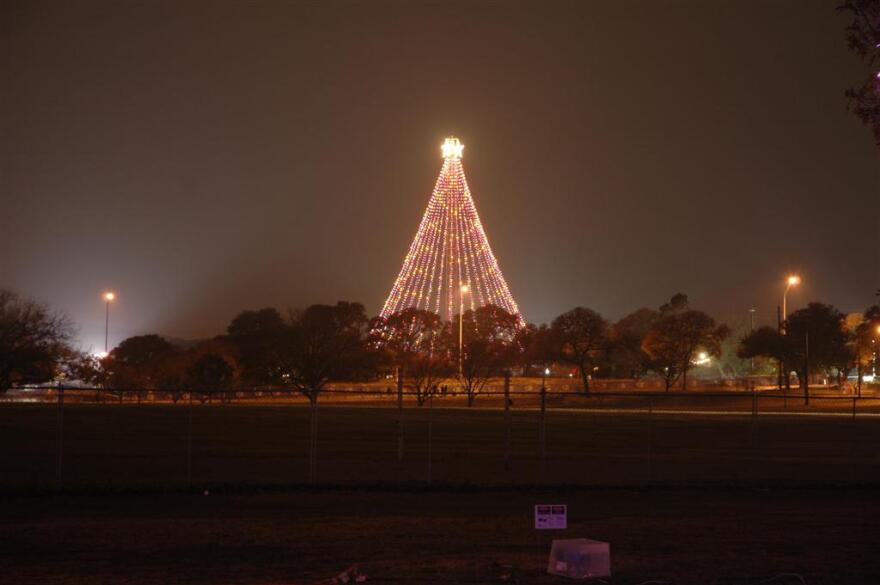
[{"x": 449, "y": 249}]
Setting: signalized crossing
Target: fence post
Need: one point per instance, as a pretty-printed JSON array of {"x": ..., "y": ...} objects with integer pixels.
[
  {"x": 399, "y": 416},
  {"x": 189, "y": 440},
  {"x": 650, "y": 438},
  {"x": 507, "y": 420},
  {"x": 430, "y": 433},
  {"x": 59, "y": 437},
  {"x": 313, "y": 438},
  {"x": 854, "y": 409},
  {"x": 543, "y": 430},
  {"x": 754, "y": 416}
]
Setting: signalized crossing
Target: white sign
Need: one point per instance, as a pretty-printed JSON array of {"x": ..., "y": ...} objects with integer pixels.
[{"x": 551, "y": 517}]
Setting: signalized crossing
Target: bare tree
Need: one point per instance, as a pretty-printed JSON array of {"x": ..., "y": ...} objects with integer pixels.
[
  {"x": 34, "y": 341},
  {"x": 863, "y": 37},
  {"x": 489, "y": 347}
]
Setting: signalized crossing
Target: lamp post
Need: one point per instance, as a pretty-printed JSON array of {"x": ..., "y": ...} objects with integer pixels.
[
  {"x": 108, "y": 297},
  {"x": 463, "y": 290},
  {"x": 751, "y": 329},
  {"x": 792, "y": 280}
]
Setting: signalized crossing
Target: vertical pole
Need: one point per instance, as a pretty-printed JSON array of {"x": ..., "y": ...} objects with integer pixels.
[
  {"x": 858, "y": 365},
  {"x": 59, "y": 439},
  {"x": 650, "y": 438},
  {"x": 785, "y": 304},
  {"x": 507, "y": 420},
  {"x": 430, "y": 434},
  {"x": 543, "y": 428},
  {"x": 751, "y": 329},
  {"x": 107, "y": 328},
  {"x": 854, "y": 409},
  {"x": 313, "y": 437},
  {"x": 189, "y": 440},
  {"x": 806, "y": 367},
  {"x": 400, "y": 416},
  {"x": 754, "y": 416},
  {"x": 460, "y": 329},
  {"x": 779, "y": 361}
]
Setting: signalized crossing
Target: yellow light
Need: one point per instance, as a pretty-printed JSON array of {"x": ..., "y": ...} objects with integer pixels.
[
  {"x": 465, "y": 289},
  {"x": 109, "y": 296},
  {"x": 452, "y": 148},
  {"x": 794, "y": 280}
]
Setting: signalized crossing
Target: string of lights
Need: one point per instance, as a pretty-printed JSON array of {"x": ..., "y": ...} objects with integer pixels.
[{"x": 450, "y": 262}]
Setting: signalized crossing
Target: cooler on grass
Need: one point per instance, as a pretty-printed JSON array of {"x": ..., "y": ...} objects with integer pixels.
[{"x": 580, "y": 558}]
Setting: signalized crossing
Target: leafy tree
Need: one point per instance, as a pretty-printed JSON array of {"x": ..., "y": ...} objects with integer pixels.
[
  {"x": 863, "y": 341},
  {"x": 764, "y": 342},
  {"x": 817, "y": 341},
  {"x": 532, "y": 346},
  {"x": 863, "y": 36},
  {"x": 489, "y": 348},
  {"x": 675, "y": 338},
  {"x": 210, "y": 373},
  {"x": 415, "y": 340},
  {"x": 321, "y": 344},
  {"x": 144, "y": 362},
  {"x": 258, "y": 336},
  {"x": 579, "y": 337},
  {"x": 34, "y": 341},
  {"x": 626, "y": 359},
  {"x": 677, "y": 304}
]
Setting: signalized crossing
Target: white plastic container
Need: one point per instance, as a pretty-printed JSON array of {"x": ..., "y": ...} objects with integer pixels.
[{"x": 580, "y": 558}]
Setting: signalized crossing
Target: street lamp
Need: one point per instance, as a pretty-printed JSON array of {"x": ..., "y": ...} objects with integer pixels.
[
  {"x": 108, "y": 297},
  {"x": 464, "y": 289},
  {"x": 792, "y": 280}
]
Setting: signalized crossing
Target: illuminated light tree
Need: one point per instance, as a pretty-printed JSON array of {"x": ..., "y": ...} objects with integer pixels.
[{"x": 450, "y": 265}]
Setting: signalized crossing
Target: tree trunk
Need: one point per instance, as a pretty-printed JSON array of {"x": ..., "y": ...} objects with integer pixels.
[
  {"x": 684, "y": 378},
  {"x": 586, "y": 379},
  {"x": 806, "y": 368}
]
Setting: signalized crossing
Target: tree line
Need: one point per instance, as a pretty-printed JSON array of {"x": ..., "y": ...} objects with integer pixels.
[{"x": 304, "y": 350}]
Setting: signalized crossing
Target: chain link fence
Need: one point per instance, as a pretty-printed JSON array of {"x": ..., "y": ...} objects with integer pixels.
[{"x": 77, "y": 438}]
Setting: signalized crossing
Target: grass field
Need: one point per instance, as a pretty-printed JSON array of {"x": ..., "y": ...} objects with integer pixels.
[
  {"x": 129, "y": 445},
  {"x": 682, "y": 498},
  {"x": 713, "y": 536}
]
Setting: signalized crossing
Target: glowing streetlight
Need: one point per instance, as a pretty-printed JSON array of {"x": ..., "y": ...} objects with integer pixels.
[
  {"x": 791, "y": 281},
  {"x": 108, "y": 297},
  {"x": 464, "y": 289}
]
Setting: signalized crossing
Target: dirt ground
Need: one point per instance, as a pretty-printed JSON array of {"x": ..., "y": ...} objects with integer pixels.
[{"x": 826, "y": 535}]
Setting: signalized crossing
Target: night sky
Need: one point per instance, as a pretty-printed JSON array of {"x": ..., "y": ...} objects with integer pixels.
[{"x": 203, "y": 157}]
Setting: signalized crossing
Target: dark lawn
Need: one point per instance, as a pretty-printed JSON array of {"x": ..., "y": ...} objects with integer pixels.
[
  {"x": 129, "y": 445},
  {"x": 741, "y": 536}
]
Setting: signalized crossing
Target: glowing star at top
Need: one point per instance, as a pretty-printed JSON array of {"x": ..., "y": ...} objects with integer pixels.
[
  {"x": 452, "y": 148},
  {"x": 450, "y": 264}
]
